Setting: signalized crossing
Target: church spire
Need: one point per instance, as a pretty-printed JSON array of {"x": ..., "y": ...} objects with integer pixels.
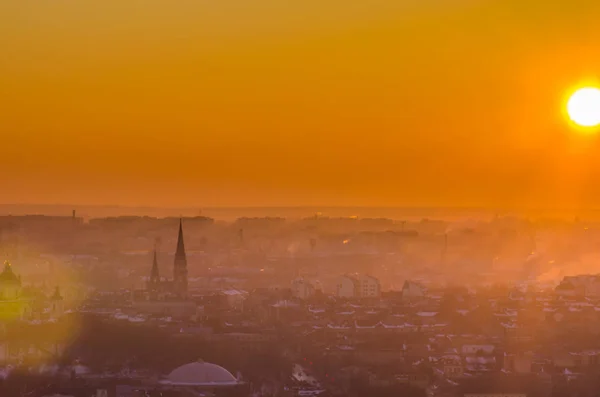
[
  {"x": 180, "y": 253},
  {"x": 180, "y": 264}
]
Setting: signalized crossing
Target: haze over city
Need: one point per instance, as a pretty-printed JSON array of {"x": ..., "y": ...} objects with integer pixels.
[{"x": 317, "y": 198}]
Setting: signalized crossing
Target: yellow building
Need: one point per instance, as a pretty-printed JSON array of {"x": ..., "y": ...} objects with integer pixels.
[{"x": 13, "y": 306}]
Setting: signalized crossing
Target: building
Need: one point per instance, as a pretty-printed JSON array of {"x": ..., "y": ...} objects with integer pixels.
[
  {"x": 200, "y": 374},
  {"x": 193, "y": 379},
  {"x": 348, "y": 287},
  {"x": 453, "y": 367},
  {"x": 520, "y": 362},
  {"x": 13, "y": 306},
  {"x": 17, "y": 308},
  {"x": 358, "y": 286},
  {"x": 302, "y": 289},
  {"x": 584, "y": 285},
  {"x": 180, "y": 271},
  {"x": 202, "y": 378},
  {"x": 369, "y": 287},
  {"x": 234, "y": 298},
  {"x": 57, "y": 308},
  {"x": 156, "y": 287},
  {"x": 167, "y": 297},
  {"x": 412, "y": 290}
]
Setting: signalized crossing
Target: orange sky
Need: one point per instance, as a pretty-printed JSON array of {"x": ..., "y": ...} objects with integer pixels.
[{"x": 312, "y": 102}]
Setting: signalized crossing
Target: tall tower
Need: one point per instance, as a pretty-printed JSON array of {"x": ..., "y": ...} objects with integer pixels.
[
  {"x": 180, "y": 265},
  {"x": 57, "y": 304}
]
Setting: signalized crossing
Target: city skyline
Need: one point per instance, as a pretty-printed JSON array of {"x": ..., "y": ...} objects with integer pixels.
[{"x": 315, "y": 198}]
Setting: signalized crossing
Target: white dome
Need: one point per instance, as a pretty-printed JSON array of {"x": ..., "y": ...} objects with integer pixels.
[{"x": 201, "y": 373}]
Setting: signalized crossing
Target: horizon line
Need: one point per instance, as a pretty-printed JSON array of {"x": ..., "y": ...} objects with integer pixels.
[{"x": 316, "y": 207}]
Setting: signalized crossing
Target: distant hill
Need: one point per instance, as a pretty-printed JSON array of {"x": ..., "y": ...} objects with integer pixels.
[{"x": 231, "y": 213}]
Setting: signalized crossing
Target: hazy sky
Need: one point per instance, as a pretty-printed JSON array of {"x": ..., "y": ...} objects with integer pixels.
[{"x": 296, "y": 102}]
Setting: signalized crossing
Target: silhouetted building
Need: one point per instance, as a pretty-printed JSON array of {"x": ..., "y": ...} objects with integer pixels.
[
  {"x": 157, "y": 288},
  {"x": 167, "y": 297},
  {"x": 180, "y": 272}
]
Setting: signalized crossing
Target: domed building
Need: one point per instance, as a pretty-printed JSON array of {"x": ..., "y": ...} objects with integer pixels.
[
  {"x": 201, "y": 374},
  {"x": 12, "y": 304},
  {"x": 29, "y": 306}
]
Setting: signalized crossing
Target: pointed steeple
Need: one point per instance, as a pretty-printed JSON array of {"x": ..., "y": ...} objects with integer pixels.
[
  {"x": 180, "y": 253},
  {"x": 180, "y": 264}
]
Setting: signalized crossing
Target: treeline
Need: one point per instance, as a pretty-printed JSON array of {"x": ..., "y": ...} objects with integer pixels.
[
  {"x": 147, "y": 219},
  {"x": 108, "y": 345}
]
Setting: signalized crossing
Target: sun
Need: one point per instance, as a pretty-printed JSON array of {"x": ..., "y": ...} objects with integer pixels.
[{"x": 583, "y": 107}]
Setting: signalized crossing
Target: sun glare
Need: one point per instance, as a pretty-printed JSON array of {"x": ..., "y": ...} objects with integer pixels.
[{"x": 583, "y": 107}]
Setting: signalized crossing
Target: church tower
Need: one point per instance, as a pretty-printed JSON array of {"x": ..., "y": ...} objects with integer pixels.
[
  {"x": 56, "y": 300},
  {"x": 180, "y": 280}
]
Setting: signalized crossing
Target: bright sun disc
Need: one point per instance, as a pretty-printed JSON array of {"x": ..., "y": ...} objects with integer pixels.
[{"x": 584, "y": 107}]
